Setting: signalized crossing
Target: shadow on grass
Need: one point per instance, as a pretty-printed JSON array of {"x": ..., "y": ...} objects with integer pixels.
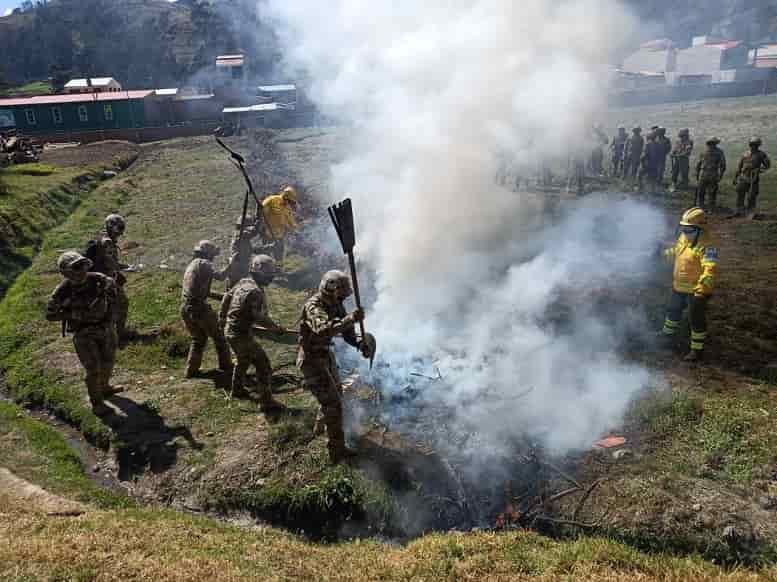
[{"x": 145, "y": 441}]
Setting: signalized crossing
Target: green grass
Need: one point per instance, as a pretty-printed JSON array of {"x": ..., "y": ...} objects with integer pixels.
[
  {"x": 38, "y": 453},
  {"x": 28, "y": 90}
]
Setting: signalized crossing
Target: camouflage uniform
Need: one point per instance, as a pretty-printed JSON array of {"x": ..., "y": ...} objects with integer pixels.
[
  {"x": 86, "y": 310},
  {"x": 709, "y": 172},
  {"x": 243, "y": 307},
  {"x": 108, "y": 263},
  {"x": 617, "y": 149},
  {"x": 241, "y": 249},
  {"x": 666, "y": 144},
  {"x": 681, "y": 161},
  {"x": 323, "y": 318},
  {"x": 632, "y": 155},
  {"x": 650, "y": 162},
  {"x": 199, "y": 318},
  {"x": 748, "y": 178}
]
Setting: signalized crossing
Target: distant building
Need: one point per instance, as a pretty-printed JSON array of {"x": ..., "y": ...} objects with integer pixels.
[
  {"x": 763, "y": 56},
  {"x": 654, "y": 57},
  {"x": 52, "y": 114},
  {"x": 278, "y": 93},
  {"x": 273, "y": 115},
  {"x": 93, "y": 85},
  {"x": 231, "y": 67},
  {"x": 707, "y": 59}
]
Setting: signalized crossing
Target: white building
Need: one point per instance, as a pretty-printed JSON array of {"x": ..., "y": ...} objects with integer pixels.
[{"x": 93, "y": 85}]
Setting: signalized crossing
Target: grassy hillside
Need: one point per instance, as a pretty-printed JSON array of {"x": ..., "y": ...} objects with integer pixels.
[
  {"x": 114, "y": 540},
  {"x": 701, "y": 463}
]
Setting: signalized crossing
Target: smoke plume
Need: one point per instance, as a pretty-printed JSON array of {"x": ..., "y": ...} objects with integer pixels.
[{"x": 467, "y": 274}]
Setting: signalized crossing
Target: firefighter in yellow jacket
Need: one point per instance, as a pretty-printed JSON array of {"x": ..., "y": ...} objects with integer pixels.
[
  {"x": 695, "y": 256},
  {"x": 279, "y": 220}
]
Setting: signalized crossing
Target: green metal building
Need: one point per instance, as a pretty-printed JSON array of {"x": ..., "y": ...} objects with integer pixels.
[{"x": 48, "y": 115}]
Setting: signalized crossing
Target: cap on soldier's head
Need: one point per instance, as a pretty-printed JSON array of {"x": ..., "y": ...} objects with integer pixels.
[
  {"x": 334, "y": 281},
  {"x": 637, "y": 129},
  {"x": 755, "y": 140},
  {"x": 71, "y": 259},
  {"x": 713, "y": 140},
  {"x": 684, "y": 131},
  {"x": 661, "y": 130},
  {"x": 654, "y": 128},
  {"x": 621, "y": 128},
  {"x": 262, "y": 264},
  {"x": 207, "y": 248},
  {"x": 114, "y": 221}
]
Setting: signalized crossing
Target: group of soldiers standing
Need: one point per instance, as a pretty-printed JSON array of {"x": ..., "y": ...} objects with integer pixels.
[
  {"x": 643, "y": 159},
  {"x": 92, "y": 305}
]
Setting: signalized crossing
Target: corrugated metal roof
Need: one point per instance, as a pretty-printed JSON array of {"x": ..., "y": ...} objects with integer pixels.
[
  {"x": 194, "y": 97},
  {"x": 75, "y": 98},
  {"x": 167, "y": 92},
  {"x": 273, "y": 88},
  {"x": 254, "y": 108},
  {"x": 230, "y": 61},
  {"x": 96, "y": 82}
]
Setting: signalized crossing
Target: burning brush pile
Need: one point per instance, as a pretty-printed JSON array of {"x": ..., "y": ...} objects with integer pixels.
[{"x": 424, "y": 452}]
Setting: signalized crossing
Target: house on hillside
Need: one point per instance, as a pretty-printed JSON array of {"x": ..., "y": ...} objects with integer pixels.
[
  {"x": 653, "y": 58},
  {"x": 93, "y": 85},
  {"x": 274, "y": 115},
  {"x": 48, "y": 115}
]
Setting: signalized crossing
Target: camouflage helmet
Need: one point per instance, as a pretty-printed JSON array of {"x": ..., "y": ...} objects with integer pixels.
[
  {"x": 661, "y": 130},
  {"x": 755, "y": 140},
  {"x": 207, "y": 248},
  {"x": 621, "y": 128},
  {"x": 334, "y": 281},
  {"x": 262, "y": 264},
  {"x": 289, "y": 194},
  {"x": 69, "y": 260},
  {"x": 115, "y": 222},
  {"x": 713, "y": 140},
  {"x": 683, "y": 132},
  {"x": 654, "y": 128},
  {"x": 637, "y": 129}
]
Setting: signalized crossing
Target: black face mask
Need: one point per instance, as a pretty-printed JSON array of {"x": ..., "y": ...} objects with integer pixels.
[{"x": 263, "y": 279}]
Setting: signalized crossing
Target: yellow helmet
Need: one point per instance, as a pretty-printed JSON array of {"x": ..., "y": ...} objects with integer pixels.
[
  {"x": 289, "y": 194},
  {"x": 694, "y": 217}
]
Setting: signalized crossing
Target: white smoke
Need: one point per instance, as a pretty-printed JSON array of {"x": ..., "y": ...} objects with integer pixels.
[{"x": 435, "y": 94}]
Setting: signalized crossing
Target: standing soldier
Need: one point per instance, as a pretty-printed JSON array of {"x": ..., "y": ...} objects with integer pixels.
[
  {"x": 323, "y": 318},
  {"x": 747, "y": 179},
  {"x": 617, "y": 149},
  {"x": 681, "y": 159},
  {"x": 241, "y": 250},
  {"x": 649, "y": 164},
  {"x": 103, "y": 251},
  {"x": 666, "y": 144},
  {"x": 279, "y": 219},
  {"x": 84, "y": 303},
  {"x": 709, "y": 172},
  {"x": 199, "y": 318},
  {"x": 243, "y": 307},
  {"x": 633, "y": 153},
  {"x": 600, "y": 140},
  {"x": 695, "y": 256}
]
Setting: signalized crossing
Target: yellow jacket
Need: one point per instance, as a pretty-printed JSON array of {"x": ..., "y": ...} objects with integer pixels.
[
  {"x": 278, "y": 216},
  {"x": 695, "y": 265}
]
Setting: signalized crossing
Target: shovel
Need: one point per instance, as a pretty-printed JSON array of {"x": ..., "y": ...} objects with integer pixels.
[{"x": 342, "y": 219}]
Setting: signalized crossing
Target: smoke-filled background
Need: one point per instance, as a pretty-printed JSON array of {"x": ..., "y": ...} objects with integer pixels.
[{"x": 437, "y": 95}]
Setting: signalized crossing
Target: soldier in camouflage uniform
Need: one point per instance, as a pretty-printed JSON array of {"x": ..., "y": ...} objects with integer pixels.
[
  {"x": 650, "y": 162},
  {"x": 666, "y": 144},
  {"x": 198, "y": 317},
  {"x": 106, "y": 261},
  {"x": 633, "y": 153},
  {"x": 84, "y": 302},
  {"x": 243, "y": 307},
  {"x": 709, "y": 172},
  {"x": 681, "y": 159},
  {"x": 241, "y": 250},
  {"x": 323, "y": 318},
  {"x": 617, "y": 149},
  {"x": 747, "y": 179}
]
